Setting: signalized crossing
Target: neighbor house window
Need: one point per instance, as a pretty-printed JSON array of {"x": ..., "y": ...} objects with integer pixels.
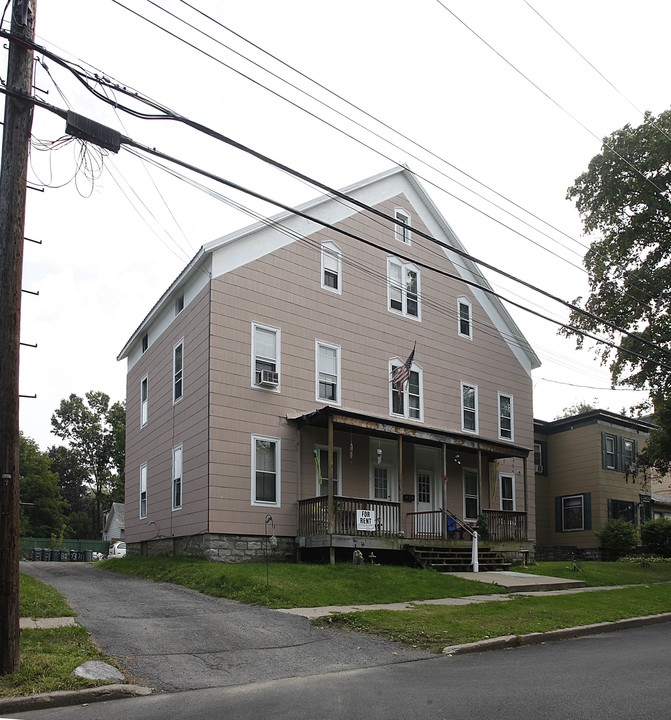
[
  {"x": 331, "y": 267},
  {"x": 143, "y": 490},
  {"x": 540, "y": 458},
  {"x": 469, "y": 407},
  {"x": 402, "y": 226},
  {"x": 619, "y": 453},
  {"x": 265, "y": 470},
  {"x": 177, "y": 477},
  {"x": 178, "y": 371},
  {"x": 506, "y": 429},
  {"x": 471, "y": 494},
  {"x": 265, "y": 357},
  {"x": 323, "y": 454},
  {"x": 573, "y": 512},
  {"x": 465, "y": 312},
  {"x": 403, "y": 288},
  {"x": 507, "y": 492},
  {"x": 409, "y": 402},
  {"x": 622, "y": 510},
  {"x": 609, "y": 451},
  {"x": 144, "y": 401},
  {"x": 328, "y": 372}
]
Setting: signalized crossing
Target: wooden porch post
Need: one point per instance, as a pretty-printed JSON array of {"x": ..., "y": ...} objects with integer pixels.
[
  {"x": 330, "y": 503},
  {"x": 526, "y": 493},
  {"x": 480, "y": 481}
]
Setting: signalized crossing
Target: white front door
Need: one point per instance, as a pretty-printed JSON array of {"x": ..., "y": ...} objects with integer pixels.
[{"x": 426, "y": 522}]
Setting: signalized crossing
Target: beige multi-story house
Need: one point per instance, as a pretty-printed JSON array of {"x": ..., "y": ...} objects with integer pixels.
[
  {"x": 266, "y": 369},
  {"x": 586, "y": 474}
]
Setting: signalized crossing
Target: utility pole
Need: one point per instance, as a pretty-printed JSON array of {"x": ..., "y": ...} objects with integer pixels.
[{"x": 13, "y": 174}]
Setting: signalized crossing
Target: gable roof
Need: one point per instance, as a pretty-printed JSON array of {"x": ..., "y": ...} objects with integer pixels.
[{"x": 243, "y": 246}]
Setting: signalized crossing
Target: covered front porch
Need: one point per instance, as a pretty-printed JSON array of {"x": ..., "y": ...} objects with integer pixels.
[{"x": 396, "y": 486}]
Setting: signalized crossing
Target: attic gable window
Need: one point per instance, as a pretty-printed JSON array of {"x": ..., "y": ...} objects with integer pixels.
[
  {"x": 403, "y": 287},
  {"x": 145, "y": 343},
  {"x": 179, "y": 304},
  {"x": 465, "y": 313},
  {"x": 331, "y": 267},
  {"x": 402, "y": 226}
]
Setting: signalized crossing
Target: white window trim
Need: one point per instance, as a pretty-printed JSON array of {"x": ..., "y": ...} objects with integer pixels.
[
  {"x": 144, "y": 404},
  {"x": 461, "y": 399},
  {"x": 278, "y": 471},
  {"x": 318, "y": 344},
  {"x": 176, "y": 399},
  {"x": 465, "y": 301},
  {"x": 332, "y": 250},
  {"x": 514, "y": 499},
  {"x": 405, "y": 268},
  {"x": 178, "y": 448},
  {"x": 512, "y": 416},
  {"x": 336, "y": 452},
  {"x": 398, "y": 233},
  {"x": 143, "y": 491},
  {"x": 396, "y": 362},
  {"x": 179, "y": 304},
  {"x": 278, "y": 354}
]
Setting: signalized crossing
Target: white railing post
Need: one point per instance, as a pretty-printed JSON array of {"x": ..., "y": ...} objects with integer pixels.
[{"x": 474, "y": 553}]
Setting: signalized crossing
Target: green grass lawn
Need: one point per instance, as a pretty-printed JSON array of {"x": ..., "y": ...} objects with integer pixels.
[
  {"x": 602, "y": 574},
  {"x": 37, "y": 600},
  {"x": 293, "y": 585},
  {"x": 434, "y": 627}
]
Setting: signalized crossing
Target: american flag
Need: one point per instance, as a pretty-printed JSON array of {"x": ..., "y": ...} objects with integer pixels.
[{"x": 401, "y": 374}]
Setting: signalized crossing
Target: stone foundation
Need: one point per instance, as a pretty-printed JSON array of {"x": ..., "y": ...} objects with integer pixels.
[
  {"x": 566, "y": 552},
  {"x": 218, "y": 548}
]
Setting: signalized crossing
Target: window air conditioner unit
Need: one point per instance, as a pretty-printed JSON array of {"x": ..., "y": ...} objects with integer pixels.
[{"x": 268, "y": 378}]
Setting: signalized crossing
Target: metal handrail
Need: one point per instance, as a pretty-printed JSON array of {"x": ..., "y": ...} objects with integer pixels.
[{"x": 462, "y": 525}]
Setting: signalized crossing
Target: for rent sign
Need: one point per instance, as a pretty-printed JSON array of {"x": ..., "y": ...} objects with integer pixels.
[{"x": 365, "y": 519}]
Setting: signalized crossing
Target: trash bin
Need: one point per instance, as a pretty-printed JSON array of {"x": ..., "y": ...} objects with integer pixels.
[
  {"x": 37, "y": 554},
  {"x": 63, "y": 555},
  {"x": 88, "y": 555},
  {"x": 46, "y": 554}
]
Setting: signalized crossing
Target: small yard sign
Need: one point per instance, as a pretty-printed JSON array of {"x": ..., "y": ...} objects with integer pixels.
[{"x": 365, "y": 519}]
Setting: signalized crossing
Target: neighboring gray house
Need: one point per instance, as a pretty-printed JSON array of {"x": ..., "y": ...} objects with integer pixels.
[
  {"x": 115, "y": 523},
  {"x": 267, "y": 363}
]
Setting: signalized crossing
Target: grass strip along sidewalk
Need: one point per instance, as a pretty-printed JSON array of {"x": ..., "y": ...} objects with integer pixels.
[{"x": 48, "y": 657}]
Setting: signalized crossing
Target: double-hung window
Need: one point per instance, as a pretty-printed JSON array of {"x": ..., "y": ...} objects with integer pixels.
[
  {"x": 573, "y": 513},
  {"x": 402, "y": 226},
  {"x": 507, "y": 492},
  {"x": 143, "y": 490},
  {"x": 265, "y": 470},
  {"x": 506, "y": 426},
  {"x": 465, "y": 313},
  {"x": 177, "y": 477},
  {"x": 403, "y": 281},
  {"x": 178, "y": 372},
  {"x": 408, "y": 402},
  {"x": 469, "y": 407},
  {"x": 328, "y": 372},
  {"x": 265, "y": 357},
  {"x": 331, "y": 267},
  {"x": 144, "y": 401}
]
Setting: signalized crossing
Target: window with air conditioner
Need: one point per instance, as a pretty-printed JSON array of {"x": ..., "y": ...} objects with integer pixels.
[
  {"x": 331, "y": 267},
  {"x": 265, "y": 357}
]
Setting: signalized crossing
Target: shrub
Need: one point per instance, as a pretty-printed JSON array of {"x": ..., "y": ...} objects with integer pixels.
[
  {"x": 656, "y": 536},
  {"x": 619, "y": 537}
]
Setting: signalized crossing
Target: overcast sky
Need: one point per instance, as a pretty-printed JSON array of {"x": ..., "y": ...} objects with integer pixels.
[{"x": 484, "y": 87}]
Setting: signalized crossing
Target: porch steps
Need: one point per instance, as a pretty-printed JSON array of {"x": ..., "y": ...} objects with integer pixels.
[{"x": 457, "y": 559}]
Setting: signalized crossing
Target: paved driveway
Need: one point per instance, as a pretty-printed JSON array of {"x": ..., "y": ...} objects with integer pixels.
[{"x": 171, "y": 638}]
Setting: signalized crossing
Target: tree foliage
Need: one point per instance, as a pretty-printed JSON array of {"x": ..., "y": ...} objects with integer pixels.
[
  {"x": 42, "y": 505},
  {"x": 656, "y": 536},
  {"x": 575, "y": 409},
  {"x": 95, "y": 431},
  {"x": 624, "y": 201}
]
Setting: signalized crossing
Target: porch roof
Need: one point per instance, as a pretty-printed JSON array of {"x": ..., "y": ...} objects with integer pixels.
[{"x": 384, "y": 426}]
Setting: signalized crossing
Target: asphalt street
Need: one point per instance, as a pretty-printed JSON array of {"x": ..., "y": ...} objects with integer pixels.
[
  {"x": 173, "y": 639},
  {"x": 615, "y": 676}
]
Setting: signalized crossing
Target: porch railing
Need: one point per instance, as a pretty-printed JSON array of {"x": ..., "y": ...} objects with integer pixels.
[
  {"x": 313, "y": 516},
  {"x": 437, "y": 525},
  {"x": 506, "y": 525}
]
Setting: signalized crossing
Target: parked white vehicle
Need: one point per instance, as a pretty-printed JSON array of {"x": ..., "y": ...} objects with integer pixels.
[{"x": 117, "y": 550}]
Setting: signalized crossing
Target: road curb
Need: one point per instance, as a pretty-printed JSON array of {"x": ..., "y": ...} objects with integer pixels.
[
  {"x": 64, "y": 698},
  {"x": 509, "y": 641}
]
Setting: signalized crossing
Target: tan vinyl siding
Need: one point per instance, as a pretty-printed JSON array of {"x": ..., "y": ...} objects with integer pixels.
[
  {"x": 169, "y": 425},
  {"x": 283, "y": 290}
]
